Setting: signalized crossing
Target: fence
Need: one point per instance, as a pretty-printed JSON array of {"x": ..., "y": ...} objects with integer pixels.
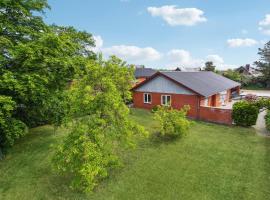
[{"x": 216, "y": 115}]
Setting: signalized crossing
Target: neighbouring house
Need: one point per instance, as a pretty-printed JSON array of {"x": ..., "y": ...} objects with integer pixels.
[
  {"x": 248, "y": 71},
  {"x": 142, "y": 73},
  {"x": 188, "y": 69},
  {"x": 208, "y": 94}
]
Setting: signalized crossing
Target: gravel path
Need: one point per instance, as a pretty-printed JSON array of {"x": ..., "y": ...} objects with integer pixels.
[{"x": 260, "y": 125}]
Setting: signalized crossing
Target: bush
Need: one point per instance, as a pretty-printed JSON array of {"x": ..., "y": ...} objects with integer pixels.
[
  {"x": 10, "y": 128},
  {"x": 251, "y": 97},
  {"x": 173, "y": 122},
  {"x": 261, "y": 102},
  {"x": 154, "y": 109},
  {"x": 245, "y": 113},
  {"x": 267, "y": 120}
]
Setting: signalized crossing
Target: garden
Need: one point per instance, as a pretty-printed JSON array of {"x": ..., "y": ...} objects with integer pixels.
[{"x": 211, "y": 162}]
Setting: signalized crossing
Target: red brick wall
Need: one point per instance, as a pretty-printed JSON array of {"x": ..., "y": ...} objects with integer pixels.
[
  {"x": 177, "y": 101},
  {"x": 217, "y": 115}
]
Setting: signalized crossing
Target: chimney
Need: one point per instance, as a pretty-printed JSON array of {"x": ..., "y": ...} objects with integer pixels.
[{"x": 247, "y": 67}]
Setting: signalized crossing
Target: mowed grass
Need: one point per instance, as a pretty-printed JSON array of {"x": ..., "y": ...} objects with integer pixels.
[{"x": 211, "y": 162}]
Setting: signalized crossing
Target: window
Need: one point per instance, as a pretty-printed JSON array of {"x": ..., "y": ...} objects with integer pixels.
[
  {"x": 223, "y": 96},
  {"x": 166, "y": 100},
  {"x": 147, "y": 98}
]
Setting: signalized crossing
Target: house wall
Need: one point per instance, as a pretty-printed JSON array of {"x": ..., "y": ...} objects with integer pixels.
[
  {"x": 215, "y": 100},
  {"x": 210, "y": 114},
  {"x": 177, "y": 101}
]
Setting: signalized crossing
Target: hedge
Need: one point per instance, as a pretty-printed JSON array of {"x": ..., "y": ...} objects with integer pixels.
[{"x": 245, "y": 113}]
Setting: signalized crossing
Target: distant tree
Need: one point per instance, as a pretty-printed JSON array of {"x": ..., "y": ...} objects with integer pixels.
[
  {"x": 209, "y": 66},
  {"x": 264, "y": 64}
]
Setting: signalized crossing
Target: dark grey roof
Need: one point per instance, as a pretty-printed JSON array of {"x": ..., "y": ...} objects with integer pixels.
[
  {"x": 144, "y": 72},
  {"x": 204, "y": 83}
]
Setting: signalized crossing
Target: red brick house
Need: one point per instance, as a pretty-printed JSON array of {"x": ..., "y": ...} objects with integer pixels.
[{"x": 206, "y": 93}]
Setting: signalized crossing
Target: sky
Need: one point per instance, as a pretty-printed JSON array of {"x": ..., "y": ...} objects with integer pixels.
[{"x": 170, "y": 33}]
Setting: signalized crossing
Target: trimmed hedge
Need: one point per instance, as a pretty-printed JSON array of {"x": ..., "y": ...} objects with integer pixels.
[
  {"x": 245, "y": 113},
  {"x": 267, "y": 120}
]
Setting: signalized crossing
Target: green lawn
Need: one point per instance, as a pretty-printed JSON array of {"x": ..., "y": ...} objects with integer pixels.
[{"x": 212, "y": 162}]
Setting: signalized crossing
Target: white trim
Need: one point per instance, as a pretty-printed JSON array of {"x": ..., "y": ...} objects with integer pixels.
[
  {"x": 167, "y": 104},
  {"x": 148, "y": 94}
]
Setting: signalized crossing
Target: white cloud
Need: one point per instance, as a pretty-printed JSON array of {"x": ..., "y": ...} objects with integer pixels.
[
  {"x": 264, "y": 25},
  {"x": 98, "y": 43},
  {"x": 133, "y": 53},
  {"x": 153, "y": 58},
  {"x": 182, "y": 58},
  {"x": 239, "y": 42},
  {"x": 216, "y": 59},
  {"x": 178, "y": 16}
]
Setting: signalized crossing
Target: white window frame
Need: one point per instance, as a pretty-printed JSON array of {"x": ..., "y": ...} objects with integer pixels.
[
  {"x": 223, "y": 96},
  {"x": 206, "y": 101},
  {"x": 166, "y": 97},
  {"x": 147, "y": 98}
]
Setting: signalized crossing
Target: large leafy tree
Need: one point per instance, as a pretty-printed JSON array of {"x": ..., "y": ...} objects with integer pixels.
[
  {"x": 37, "y": 61},
  {"x": 100, "y": 125},
  {"x": 264, "y": 64}
]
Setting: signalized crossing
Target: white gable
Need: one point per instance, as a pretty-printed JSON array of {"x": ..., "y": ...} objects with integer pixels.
[{"x": 161, "y": 84}]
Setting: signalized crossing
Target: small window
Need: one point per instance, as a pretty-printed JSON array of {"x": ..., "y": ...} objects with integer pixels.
[
  {"x": 147, "y": 98},
  {"x": 166, "y": 100}
]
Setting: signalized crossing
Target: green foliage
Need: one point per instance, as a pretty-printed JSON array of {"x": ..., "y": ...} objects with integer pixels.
[
  {"x": 267, "y": 120},
  {"x": 233, "y": 75},
  {"x": 155, "y": 108},
  {"x": 261, "y": 102},
  {"x": 101, "y": 126},
  {"x": 37, "y": 63},
  {"x": 264, "y": 64},
  {"x": 10, "y": 128},
  {"x": 209, "y": 66},
  {"x": 245, "y": 113},
  {"x": 121, "y": 74},
  {"x": 173, "y": 123}
]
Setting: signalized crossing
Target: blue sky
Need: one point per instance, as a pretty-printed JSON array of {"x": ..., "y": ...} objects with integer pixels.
[{"x": 167, "y": 34}]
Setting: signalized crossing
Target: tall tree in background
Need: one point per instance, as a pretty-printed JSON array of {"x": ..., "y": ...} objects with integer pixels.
[
  {"x": 209, "y": 66},
  {"x": 264, "y": 64}
]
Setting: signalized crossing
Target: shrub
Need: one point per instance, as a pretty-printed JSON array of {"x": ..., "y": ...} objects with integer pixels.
[
  {"x": 154, "y": 109},
  {"x": 245, "y": 113},
  {"x": 173, "y": 122},
  {"x": 267, "y": 104},
  {"x": 267, "y": 120},
  {"x": 251, "y": 97},
  {"x": 10, "y": 128}
]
